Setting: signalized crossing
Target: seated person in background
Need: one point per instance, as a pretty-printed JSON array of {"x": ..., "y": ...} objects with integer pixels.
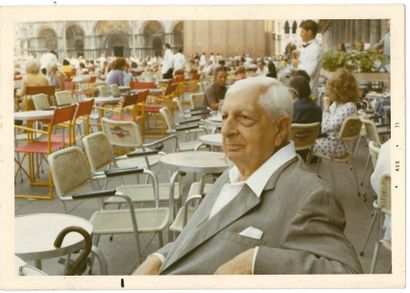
[
  {"x": 342, "y": 94},
  {"x": 68, "y": 69},
  {"x": 359, "y": 46},
  {"x": 271, "y": 70},
  {"x": 217, "y": 90},
  {"x": 340, "y": 47},
  {"x": 268, "y": 214},
  {"x": 301, "y": 73},
  {"x": 55, "y": 77},
  {"x": 116, "y": 75},
  {"x": 304, "y": 109},
  {"x": 33, "y": 77},
  {"x": 127, "y": 74}
]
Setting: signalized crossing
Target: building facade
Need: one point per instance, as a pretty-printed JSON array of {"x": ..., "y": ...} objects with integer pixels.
[{"x": 146, "y": 38}]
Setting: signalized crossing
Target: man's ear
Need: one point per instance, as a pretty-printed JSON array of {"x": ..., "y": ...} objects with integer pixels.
[{"x": 283, "y": 125}]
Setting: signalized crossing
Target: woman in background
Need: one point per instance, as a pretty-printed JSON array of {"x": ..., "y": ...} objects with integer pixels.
[{"x": 340, "y": 103}]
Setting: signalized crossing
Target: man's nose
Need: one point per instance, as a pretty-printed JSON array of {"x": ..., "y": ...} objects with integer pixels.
[{"x": 228, "y": 127}]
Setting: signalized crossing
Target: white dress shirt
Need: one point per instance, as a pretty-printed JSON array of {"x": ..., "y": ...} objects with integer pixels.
[
  {"x": 179, "y": 61},
  {"x": 311, "y": 56},
  {"x": 256, "y": 182},
  {"x": 168, "y": 61}
]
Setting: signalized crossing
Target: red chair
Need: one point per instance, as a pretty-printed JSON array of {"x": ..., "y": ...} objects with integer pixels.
[
  {"x": 83, "y": 112},
  {"x": 142, "y": 85},
  {"x": 38, "y": 147}
]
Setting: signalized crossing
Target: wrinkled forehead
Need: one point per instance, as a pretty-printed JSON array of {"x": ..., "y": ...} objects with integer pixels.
[{"x": 251, "y": 88}]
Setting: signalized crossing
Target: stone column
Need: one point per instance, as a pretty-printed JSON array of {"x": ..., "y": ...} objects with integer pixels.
[{"x": 374, "y": 31}]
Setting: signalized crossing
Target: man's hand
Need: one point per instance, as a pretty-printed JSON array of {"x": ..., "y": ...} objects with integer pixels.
[
  {"x": 149, "y": 267},
  {"x": 239, "y": 265}
]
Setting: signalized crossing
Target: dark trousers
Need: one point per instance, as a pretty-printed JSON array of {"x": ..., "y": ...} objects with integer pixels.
[{"x": 168, "y": 74}]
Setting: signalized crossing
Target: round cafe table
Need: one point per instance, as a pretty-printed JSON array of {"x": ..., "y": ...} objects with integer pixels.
[
  {"x": 35, "y": 235},
  {"x": 213, "y": 122},
  {"x": 195, "y": 162},
  {"x": 34, "y": 115},
  {"x": 211, "y": 139}
]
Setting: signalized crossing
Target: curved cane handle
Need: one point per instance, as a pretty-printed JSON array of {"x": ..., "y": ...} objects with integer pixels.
[{"x": 85, "y": 252}]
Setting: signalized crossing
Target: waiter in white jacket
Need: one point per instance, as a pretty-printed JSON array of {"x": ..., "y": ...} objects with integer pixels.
[
  {"x": 311, "y": 54},
  {"x": 179, "y": 61},
  {"x": 167, "y": 62}
]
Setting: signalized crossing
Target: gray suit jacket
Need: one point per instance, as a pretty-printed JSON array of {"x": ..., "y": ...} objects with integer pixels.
[{"x": 302, "y": 226}]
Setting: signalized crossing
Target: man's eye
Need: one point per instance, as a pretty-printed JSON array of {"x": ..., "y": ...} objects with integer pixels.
[{"x": 224, "y": 116}]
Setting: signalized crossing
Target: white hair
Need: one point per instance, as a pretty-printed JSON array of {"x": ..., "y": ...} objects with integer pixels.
[{"x": 276, "y": 101}]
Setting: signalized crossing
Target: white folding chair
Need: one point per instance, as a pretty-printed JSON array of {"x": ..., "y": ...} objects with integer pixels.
[
  {"x": 189, "y": 129},
  {"x": 100, "y": 156},
  {"x": 349, "y": 132},
  {"x": 70, "y": 171}
]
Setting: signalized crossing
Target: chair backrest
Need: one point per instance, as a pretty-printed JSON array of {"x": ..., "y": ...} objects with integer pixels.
[
  {"x": 197, "y": 100},
  {"x": 350, "y": 129},
  {"x": 69, "y": 85},
  {"x": 304, "y": 135},
  {"x": 41, "y": 102},
  {"x": 115, "y": 91},
  {"x": 84, "y": 108},
  {"x": 122, "y": 133},
  {"x": 169, "y": 121},
  {"x": 384, "y": 196},
  {"x": 104, "y": 90},
  {"x": 98, "y": 150},
  {"x": 65, "y": 114},
  {"x": 64, "y": 98},
  {"x": 93, "y": 79},
  {"x": 374, "y": 152},
  {"x": 171, "y": 87},
  {"x": 33, "y": 90},
  {"x": 371, "y": 131},
  {"x": 179, "y": 77},
  {"x": 142, "y": 96},
  {"x": 195, "y": 75},
  {"x": 69, "y": 169},
  {"x": 129, "y": 100},
  {"x": 141, "y": 85}
]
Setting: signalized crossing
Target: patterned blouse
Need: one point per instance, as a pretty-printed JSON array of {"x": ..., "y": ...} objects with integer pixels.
[{"x": 331, "y": 123}]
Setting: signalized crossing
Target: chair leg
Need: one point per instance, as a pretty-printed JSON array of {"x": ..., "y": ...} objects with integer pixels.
[
  {"x": 96, "y": 252},
  {"x": 96, "y": 240},
  {"x": 332, "y": 175},
  {"x": 366, "y": 166},
  {"x": 374, "y": 218},
  {"x": 356, "y": 181},
  {"x": 318, "y": 165},
  {"x": 374, "y": 258},
  {"x": 160, "y": 239}
]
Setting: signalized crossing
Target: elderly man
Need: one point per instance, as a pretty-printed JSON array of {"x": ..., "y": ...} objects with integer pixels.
[
  {"x": 216, "y": 92},
  {"x": 268, "y": 214}
]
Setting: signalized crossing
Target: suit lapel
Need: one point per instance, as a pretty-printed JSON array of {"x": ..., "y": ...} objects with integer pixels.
[{"x": 206, "y": 228}]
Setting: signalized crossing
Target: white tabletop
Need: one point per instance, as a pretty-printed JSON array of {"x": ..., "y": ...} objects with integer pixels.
[
  {"x": 35, "y": 235},
  {"x": 211, "y": 139},
  {"x": 208, "y": 162},
  {"x": 34, "y": 115},
  {"x": 123, "y": 87},
  {"x": 105, "y": 100}
]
